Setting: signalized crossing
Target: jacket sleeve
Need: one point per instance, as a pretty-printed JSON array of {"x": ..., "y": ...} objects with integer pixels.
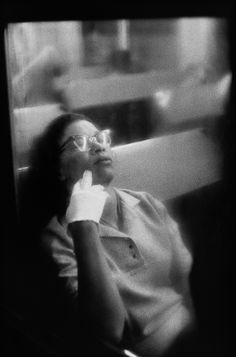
[
  {"x": 59, "y": 250},
  {"x": 182, "y": 258},
  {"x": 181, "y": 255}
]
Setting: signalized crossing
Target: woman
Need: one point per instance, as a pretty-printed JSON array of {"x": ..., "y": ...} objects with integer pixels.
[{"x": 118, "y": 253}]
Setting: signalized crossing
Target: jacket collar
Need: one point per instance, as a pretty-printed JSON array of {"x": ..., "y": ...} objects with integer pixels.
[
  {"x": 128, "y": 202},
  {"x": 127, "y": 197}
]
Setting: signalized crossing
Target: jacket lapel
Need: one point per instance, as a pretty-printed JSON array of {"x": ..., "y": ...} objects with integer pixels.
[{"x": 128, "y": 216}]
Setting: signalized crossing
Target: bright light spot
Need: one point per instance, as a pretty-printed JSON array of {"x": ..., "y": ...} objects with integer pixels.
[
  {"x": 163, "y": 97},
  {"x": 21, "y": 169},
  {"x": 130, "y": 354},
  {"x": 224, "y": 85}
]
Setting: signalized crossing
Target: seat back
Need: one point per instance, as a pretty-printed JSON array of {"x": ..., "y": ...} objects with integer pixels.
[
  {"x": 168, "y": 166},
  {"x": 165, "y": 166}
]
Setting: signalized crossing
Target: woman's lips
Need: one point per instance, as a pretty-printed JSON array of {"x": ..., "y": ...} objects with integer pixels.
[{"x": 103, "y": 161}]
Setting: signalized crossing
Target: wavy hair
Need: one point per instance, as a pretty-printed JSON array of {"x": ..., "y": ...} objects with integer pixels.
[{"x": 44, "y": 163}]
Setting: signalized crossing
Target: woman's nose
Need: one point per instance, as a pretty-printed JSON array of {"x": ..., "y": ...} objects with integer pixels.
[{"x": 97, "y": 147}]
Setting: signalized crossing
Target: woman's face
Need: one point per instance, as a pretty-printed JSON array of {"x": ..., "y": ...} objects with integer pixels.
[{"x": 73, "y": 162}]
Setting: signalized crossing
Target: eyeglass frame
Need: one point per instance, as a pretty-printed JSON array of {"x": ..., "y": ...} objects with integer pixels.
[{"x": 91, "y": 139}]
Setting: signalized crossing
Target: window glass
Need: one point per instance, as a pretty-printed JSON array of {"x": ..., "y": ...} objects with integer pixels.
[{"x": 141, "y": 78}]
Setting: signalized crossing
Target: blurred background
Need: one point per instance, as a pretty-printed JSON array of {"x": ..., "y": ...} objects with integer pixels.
[
  {"x": 163, "y": 86},
  {"x": 141, "y": 78}
]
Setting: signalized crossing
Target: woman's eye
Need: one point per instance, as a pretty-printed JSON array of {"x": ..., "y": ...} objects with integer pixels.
[
  {"x": 80, "y": 141},
  {"x": 71, "y": 146}
]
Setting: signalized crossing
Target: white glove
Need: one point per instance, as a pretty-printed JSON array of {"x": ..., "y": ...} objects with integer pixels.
[{"x": 87, "y": 201}]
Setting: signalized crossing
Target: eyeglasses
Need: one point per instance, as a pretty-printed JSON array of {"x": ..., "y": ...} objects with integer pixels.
[{"x": 84, "y": 143}]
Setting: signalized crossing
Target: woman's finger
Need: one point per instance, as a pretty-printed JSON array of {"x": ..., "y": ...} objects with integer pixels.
[
  {"x": 86, "y": 181},
  {"x": 97, "y": 188},
  {"x": 77, "y": 187}
]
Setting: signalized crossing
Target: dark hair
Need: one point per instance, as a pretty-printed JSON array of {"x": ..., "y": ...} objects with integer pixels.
[{"x": 45, "y": 160}]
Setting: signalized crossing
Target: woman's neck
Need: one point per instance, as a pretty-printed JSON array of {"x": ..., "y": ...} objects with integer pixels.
[{"x": 110, "y": 211}]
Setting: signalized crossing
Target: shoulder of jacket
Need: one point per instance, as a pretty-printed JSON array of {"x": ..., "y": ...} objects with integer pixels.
[
  {"x": 54, "y": 231},
  {"x": 145, "y": 196}
]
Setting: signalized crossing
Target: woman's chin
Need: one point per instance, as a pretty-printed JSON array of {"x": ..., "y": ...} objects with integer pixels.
[{"x": 103, "y": 177}]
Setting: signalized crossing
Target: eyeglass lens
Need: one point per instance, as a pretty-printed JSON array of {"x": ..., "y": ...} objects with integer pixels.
[{"x": 84, "y": 143}]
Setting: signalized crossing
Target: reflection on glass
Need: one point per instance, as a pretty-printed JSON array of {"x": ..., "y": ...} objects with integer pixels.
[{"x": 142, "y": 78}]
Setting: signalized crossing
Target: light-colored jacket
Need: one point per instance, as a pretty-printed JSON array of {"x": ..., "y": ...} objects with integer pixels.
[{"x": 148, "y": 261}]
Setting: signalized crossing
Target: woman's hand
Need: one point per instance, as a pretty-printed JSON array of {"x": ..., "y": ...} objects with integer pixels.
[
  {"x": 87, "y": 201},
  {"x": 99, "y": 294}
]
